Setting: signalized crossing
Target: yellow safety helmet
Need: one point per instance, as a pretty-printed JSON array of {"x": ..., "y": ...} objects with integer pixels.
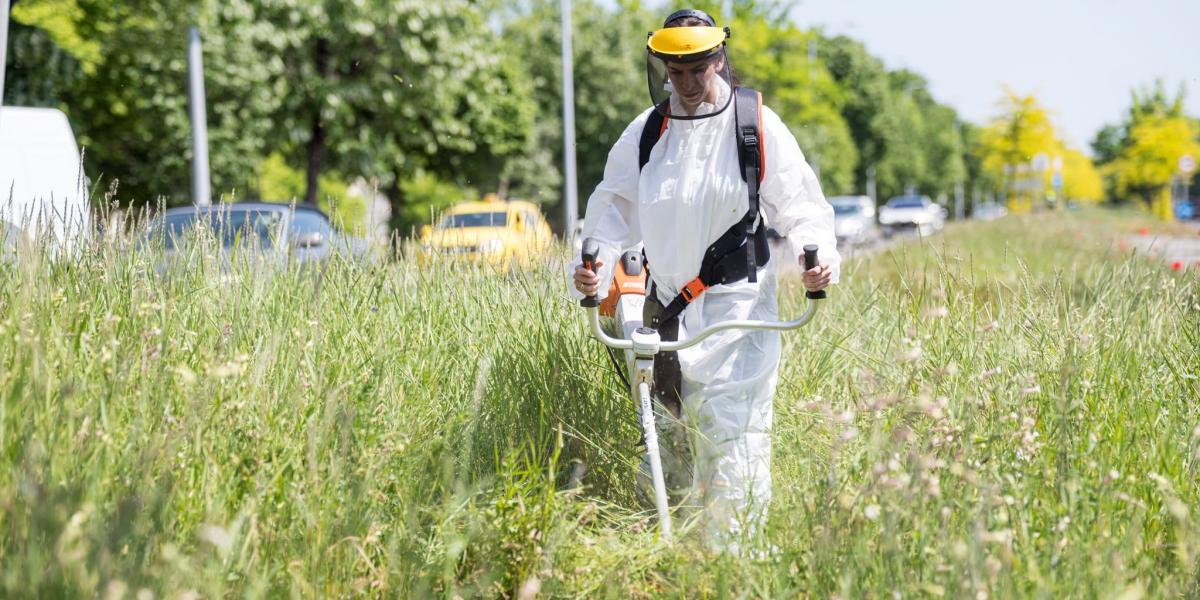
[
  {"x": 687, "y": 68},
  {"x": 687, "y": 44}
]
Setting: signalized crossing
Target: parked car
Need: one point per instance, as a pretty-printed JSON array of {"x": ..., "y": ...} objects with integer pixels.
[
  {"x": 912, "y": 213},
  {"x": 266, "y": 232},
  {"x": 988, "y": 211},
  {"x": 854, "y": 220},
  {"x": 492, "y": 231},
  {"x": 42, "y": 188}
]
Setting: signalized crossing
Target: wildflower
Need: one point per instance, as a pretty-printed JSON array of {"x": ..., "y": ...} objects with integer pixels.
[
  {"x": 531, "y": 588},
  {"x": 913, "y": 354},
  {"x": 933, "y": 486},
  {"x": 1002, "y": 537},
  {"x": 1178, "y": 509},
  {"x": 988, "y": 374},
  {"x": 871, "y": 512},
  {"x": 1084, "y": 339},
  {"x": 1063, "y": 523},
  {"x": 947, "y": 370},
  {"x": 217, "y": 536},
  {"x": 115, "y": 590}
]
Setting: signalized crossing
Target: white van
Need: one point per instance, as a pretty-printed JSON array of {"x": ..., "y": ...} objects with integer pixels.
[{"x": 42, "y": 186}]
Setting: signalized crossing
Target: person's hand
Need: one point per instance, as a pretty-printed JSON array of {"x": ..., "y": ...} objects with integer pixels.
[
  {"x": 587, "y": 282},
  {"x": 817, "y": 278}
]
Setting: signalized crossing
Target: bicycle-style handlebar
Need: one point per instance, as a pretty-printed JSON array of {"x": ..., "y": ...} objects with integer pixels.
[{"x": 590, "y": 250}]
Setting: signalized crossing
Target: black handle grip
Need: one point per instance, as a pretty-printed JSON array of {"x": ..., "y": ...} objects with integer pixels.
[
  {"x": 810, "y": 262},
  {"x": 590, "y": 249}
]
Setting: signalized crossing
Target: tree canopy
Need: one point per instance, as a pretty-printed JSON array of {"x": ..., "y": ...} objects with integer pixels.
[
  {"x": 434, "y": 102},
  {"x": 1021, "y": 148},
  {"x": 1140, "y": 156}
]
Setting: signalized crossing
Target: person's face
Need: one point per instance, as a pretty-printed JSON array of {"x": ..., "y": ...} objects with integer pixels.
[{"x": 692, "y": 82}]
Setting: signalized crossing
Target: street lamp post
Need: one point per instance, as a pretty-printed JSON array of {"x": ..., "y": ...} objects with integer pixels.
[
  {"x": 201, "y": 192},
  {"x": 3, "y": 45},
  {"x": 570, "y": 192}
]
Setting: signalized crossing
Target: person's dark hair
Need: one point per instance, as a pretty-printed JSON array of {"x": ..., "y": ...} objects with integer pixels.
[
  {"x": 686, "y": 21},
  {"x": 689, "y": 17}
]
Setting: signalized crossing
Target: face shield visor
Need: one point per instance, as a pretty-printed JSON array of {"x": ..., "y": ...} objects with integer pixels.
[{"x": 688, "y": 72}]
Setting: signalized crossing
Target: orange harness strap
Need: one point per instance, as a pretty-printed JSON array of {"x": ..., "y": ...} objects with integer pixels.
[{"x": 693, "y": 289}]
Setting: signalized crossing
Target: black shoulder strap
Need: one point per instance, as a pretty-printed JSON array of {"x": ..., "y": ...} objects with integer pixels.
[
  {"x": 651, "y": 132},
  {"x": 747, "y": 110}
]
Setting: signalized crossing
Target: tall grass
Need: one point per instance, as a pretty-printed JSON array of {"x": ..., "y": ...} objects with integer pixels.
[{"x": 1008, "y": 410}]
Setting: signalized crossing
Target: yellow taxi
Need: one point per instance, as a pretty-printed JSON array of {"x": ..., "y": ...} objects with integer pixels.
[{"x": 498, "y": 232}]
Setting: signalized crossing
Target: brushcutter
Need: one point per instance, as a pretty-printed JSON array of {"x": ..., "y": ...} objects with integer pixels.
[{"x": 624, "y": 304}]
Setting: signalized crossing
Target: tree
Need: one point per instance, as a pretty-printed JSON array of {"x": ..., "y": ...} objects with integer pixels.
[
  {"x": 38, "y": 69},
  {"x": 1148, "y": 163},
  {"x": 773, "y": 57},
  {"x": 1020, "y": 133},
  {"x": 905, "y": 138},
  {"x": 1081, "y": 179},
  {"x": 610, "y": 89},
  {"x": 391, "y": 89},
  {"x": 1140, "y": 155},
  {"x": 128, "y": 99}
]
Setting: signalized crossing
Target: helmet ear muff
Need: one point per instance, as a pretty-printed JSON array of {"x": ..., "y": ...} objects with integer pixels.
[{"x": 692, "y": 13}]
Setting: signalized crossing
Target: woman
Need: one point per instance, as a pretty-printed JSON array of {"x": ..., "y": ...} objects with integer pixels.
[{"x": 687, "y": 199}]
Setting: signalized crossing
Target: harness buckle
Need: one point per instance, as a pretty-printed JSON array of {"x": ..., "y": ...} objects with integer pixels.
[
  {"x": 693, "y": 289},
  {"x": 749, "y": 137}
]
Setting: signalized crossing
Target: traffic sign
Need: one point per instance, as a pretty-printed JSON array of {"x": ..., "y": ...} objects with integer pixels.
[
  {"x": 1041, "y": 162},
  {"x": 1187, "y": 164}
]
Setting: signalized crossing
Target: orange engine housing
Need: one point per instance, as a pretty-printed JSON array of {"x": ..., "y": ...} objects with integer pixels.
[{"x": 629, "y": 277}]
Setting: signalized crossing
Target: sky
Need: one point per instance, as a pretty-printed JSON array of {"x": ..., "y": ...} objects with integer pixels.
[{"x": 1080, "y": 58}]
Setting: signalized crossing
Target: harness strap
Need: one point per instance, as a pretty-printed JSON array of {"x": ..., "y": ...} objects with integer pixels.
[
  {"x": 743, "y": 248},
  {"x": 747, "y": 109},
  {"x": 730, "y": 267},
  {"x": 655, "y": 126}
]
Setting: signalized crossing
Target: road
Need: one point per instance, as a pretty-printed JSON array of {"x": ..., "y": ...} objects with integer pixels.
[{"x": 1180, "y": 252}]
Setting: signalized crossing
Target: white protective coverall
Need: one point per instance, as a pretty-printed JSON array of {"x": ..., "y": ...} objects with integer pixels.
[{"x": 689, "y": 193}]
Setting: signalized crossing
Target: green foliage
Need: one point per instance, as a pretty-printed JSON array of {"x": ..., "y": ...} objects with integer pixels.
[
  {"x": 1140, "y": 155},
  {"x": 1149, "y": 160},
  {"x": 773, "y": 58},
  {"x": 278, "y": 182},
  {"x": 1134, "y": 154},
  {"x": 904, "y": 136},
  {"x": 384, "y": 89},
  {"x": 1022, "y": 132},
  {"x": 129, "y": 107},
  {"x": 38, "y": 70},
  {"x": 426, "y": 196},
  {"x": 610, "y": 89},
  {"x": 58, "y": 18}
]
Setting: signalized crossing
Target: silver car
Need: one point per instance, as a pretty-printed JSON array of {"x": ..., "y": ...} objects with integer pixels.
[
  {"x": 265, "y": 232},
  {"x": 912, "y": 214},
  {"x": 854, "y": 220}
]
